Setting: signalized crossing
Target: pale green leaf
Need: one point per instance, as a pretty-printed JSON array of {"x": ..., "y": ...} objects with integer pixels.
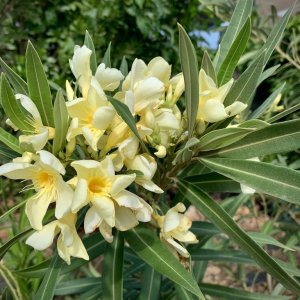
[
  {"x": 124, "y": 66},
  {"x": 267, "y": 73},
  {"x": 208, "y": 67},
  {"x": 240, "y": 15},
  {"x": 61, "y": 123},
  {"x": 38, "y": 86},
  {"x": 9, "y": 140},
  {"x": 189, "y": 65},
  {"x": 234, "y": 53},
  {"x": 19, "y": 85},
  {"x": 147, "y": 245},
  {"x": 88, "y": 41},
  {"x": 12, "y": 107},
  {"x": 284, "y": 113},
  {"x": 277, "y": 181},
  {"x": 113, "y": 269},
  {"x": 106, "y": 58},
  {"x": 185, "y": 153},
  {"x": 225, "y": 223}
]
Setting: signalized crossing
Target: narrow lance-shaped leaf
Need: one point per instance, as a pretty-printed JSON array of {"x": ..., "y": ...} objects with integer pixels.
[
  {"x": 39, "y": 90},
  {"x": 106, "y": 58},
  {"x": 77, "y": 286},
  {"x": 147, "y": 245},
  {"x": 20, "y": 86},
  {"x": 284, "y": 113},
  {"x": 240, "y": 15},
  {"x": 113, "y": 269},
  {"x": 124, "y": 112},
  {"x": 267, "y": 103},
  {"x": 243, "y": 88},
  {"x": 234, "y": 53},
  {"x": 189, "y": 65},
  {"x": 277, "y": 181},
  {"x": 267, "y": 73},
  {"x": 9, "y": 140},
  {"x": 151, "y": 284},
  {"x": 124, "y": 66},
  {"x": 88, "y": 41},
  {"x": 12, "y": 107},
  {"x": 225, "y": 223},
  {"x": 276, "y": 138},
  {"x": 208, "y": 66},
  {"x": 61, "y": 122},
  {"x": 47, "y": 287}
]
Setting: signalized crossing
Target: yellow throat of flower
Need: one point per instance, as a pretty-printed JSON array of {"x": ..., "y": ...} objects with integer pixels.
[{"x": 99, "y": 185}]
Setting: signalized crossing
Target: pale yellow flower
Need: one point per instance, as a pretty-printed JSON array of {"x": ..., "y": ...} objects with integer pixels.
[
  {"x": 68, "y": 243},
  {"x": 111, "y": 204},
  {"x": 47, "y": 181},
  {"x": 211, "y": 108},
  {"x": 175, "y": 228}
]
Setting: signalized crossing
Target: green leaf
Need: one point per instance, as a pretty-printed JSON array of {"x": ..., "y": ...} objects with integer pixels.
[
  {"x": 182, "y": 294},
  {"x": 93, "y": 294},
  {"x": 276, "y": 138},
  {"x": 9, "y": 140},
  {"x": 265, "y": 239},
  {"x": 185, "y": 153},
  {"x": 124, "y": 66},
  {"x": 243, "y": 88},
  {"x": 267, "y": 73},
  {"x": 11, "y": 242},
  {"x": 39, "y": 90},
  {"x": 240, "y": 15},
  {"x": 266, "y": 104},
  {"x": 88, "y": 41},
  {"x": 225, "y": 223},
  {"x": 113, "y": 269},
  {"x": 12, "y": 106},
  {"x": 61, "y": 122},
  {"x": 189, "y": 65},
  {"x": 277, "y": 181},
  {"x": 214, "y": 182},
  {"x": 106, "y": 58},
  {"x": 151, "y": 284},
  {"x": 76, "y": 286},
  {"x": 222, "y": 137},
  {"x": 124, "y": 112},
  {"x": 234, "y": 53},
  {"x": 284, "y": 113},
  {"x": 147, "y": 245},
  {"x": 11, "y": 210},
  {"x": 222, "y": 292},
  {"x": 20, "y": 86},
  {"x": 208, "y": 66},
  {"x": 276, "y": 35},
  {"x": 47, "y": 287},
  {"x": 204, "y": 228}
]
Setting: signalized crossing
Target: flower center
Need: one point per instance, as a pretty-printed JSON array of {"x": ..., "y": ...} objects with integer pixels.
[
  {"x": 100, "y": 185},
  {"x": 45, "y": 181}
]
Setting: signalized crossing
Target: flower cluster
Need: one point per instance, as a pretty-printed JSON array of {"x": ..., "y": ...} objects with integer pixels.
[{"x": 112, "y": 176}]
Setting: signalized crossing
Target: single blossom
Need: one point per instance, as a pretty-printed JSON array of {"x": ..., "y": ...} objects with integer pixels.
[
  {"x": 175, "y": 228},
  {"x": 46, "y": 176},
  {"x": 68, "y": 243},
  {"x": 111, "y": 204},
  {"x": 211, "y": 108}
]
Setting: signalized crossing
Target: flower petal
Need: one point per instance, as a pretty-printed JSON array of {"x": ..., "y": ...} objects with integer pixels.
[
  {"x": 213, "y": 111},
  {"x": 128, "y": 199},
  {"x": 160, "y": 69},
  {"x": 18, "y": 170},
  {"x": 29, "y": 105},
  {"x": 106, "y": 231},
  {"x": 103, "y": 117},
  {"x": 49, "y": 160},
  {"x": 121, "y": 182},
  {"x": 235, "y": 108},
  {"x": 40, "y": 240},
  {"x": 125, "y": 218},
  {"x": 64, "y": 198},
  {"x": 92, "y": 220},
  {"x": 105, "y": 208},
  {"x": 80, "y": 198},
  {"x": 35, "y": 142},
  {"x": 109, "y": 78}
]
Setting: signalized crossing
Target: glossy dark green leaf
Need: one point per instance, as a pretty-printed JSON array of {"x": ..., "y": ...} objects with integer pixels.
[
  {"x": 189, "y": 65},
  {"x": 61, "y": 123},
  {"x": 76, "y": 286},
  {"x": 151, "y": 284},
  {"x": 113, "y": 269},
  {"x": 11, "y": 210},
  {"x": 225, "y": 223},
  {"x": 147, "y": 245},
  {"x": 38, "y": 86}
]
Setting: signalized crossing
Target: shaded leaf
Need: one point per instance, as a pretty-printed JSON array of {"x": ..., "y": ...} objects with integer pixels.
[{"x": 88, "y": 41}]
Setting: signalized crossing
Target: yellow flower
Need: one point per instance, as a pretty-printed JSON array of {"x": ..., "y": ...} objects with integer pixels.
[
  {"x": 91, "y": 116},
  {"x": 68, "y": 243},
  {"x": 175, "y": 227},
  {"x": 211, "y": 108},
  {"x": 47, "y": 181},
  {"x": 111, "y": 204}
]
